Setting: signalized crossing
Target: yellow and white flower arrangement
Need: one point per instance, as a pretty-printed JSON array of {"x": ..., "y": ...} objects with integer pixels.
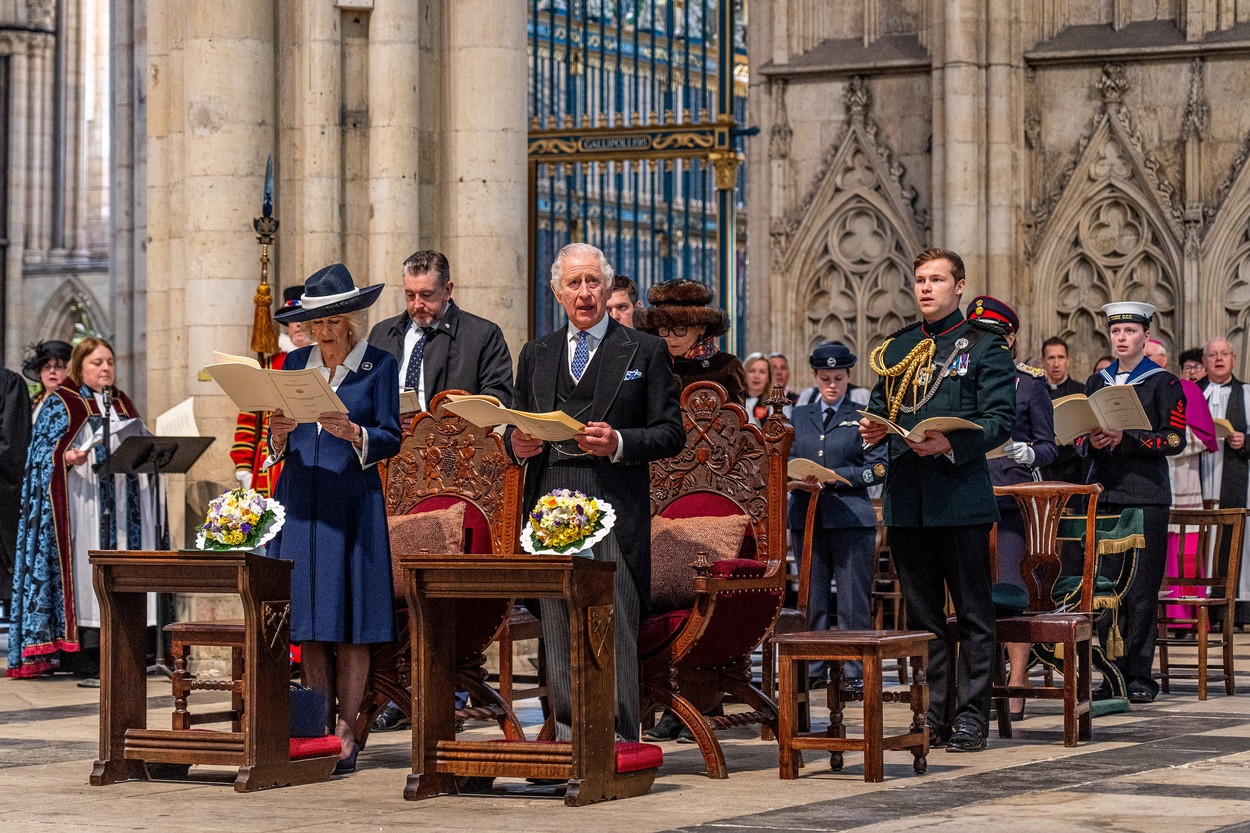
[
  {"x": 240, "y": 519},
  {"x": 567, "y": 522}
]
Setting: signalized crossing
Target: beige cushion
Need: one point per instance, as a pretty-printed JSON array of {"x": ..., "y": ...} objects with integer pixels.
[
  {"x": 675, "y": 543},
  {"x": 438, "y": 530}
]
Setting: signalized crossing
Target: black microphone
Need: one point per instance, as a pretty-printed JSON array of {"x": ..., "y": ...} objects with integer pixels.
[{"x": 108, "y": 407}]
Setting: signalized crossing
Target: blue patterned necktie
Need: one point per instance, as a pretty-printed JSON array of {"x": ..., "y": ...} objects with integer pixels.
[
  {"x": 581, "y": 355},
  {"x": 413, "y": 378}
]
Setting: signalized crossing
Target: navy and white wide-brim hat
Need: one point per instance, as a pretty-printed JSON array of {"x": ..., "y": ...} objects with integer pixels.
[
  {"x": 330, "y": 291},
  {"x": 830, "y": 356},
  {"x": 1131, "y": 312}
]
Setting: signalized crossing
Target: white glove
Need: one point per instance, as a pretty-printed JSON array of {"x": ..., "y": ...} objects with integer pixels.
[
  {"x": 244, "y": 478},
  {"x": 1020, "y": 452}
]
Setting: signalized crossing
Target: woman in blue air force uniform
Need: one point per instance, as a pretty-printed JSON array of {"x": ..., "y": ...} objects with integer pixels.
[
  {"x": 335, "y": 529},
  {"x": 844, "y": 536}
]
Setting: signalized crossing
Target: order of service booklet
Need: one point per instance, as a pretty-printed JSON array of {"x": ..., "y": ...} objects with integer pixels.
[
  {"x": 486, "y": 412},
  {"x": 800, "y": 468},
  {"x": 1115, "y": 407},
  {"x": 302, "y": 395},
  {"x": 1223, "y": 428},
  {"x": 941, "y": 424}
]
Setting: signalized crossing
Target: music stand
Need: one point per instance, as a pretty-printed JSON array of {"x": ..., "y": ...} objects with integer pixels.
[{"x": 156, "y": 456}]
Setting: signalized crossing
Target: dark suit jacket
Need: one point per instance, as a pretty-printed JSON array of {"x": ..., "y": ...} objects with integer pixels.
[
  {"x": 936, "y": 491},
  {"x": 1035, "y": 425},
  {"x": 841, "y": 449},
  {"x": 636, "y": 393},
  {"x": 467, "y": 353}
]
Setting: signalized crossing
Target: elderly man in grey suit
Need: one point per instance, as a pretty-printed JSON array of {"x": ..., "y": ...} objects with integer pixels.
[
  {"x": 620, "y": 383},
  {"x": 438, "y": 345}
]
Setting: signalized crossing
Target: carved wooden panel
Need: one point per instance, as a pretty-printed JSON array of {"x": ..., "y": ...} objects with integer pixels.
[
  {"x": 442, "y": 454},
  {"x": 727, "y": 455}
]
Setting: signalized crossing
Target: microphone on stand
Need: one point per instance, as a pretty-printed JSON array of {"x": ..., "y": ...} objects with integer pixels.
[{"x": 107, "y": 509}]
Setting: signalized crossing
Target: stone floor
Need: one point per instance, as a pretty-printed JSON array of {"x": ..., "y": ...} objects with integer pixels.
[{"x": 1175, "y": 765}]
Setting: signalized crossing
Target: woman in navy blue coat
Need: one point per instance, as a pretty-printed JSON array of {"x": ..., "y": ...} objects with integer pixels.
[
  {"x": 335, "y": 528},
  {"x": 844, "y": 540}
]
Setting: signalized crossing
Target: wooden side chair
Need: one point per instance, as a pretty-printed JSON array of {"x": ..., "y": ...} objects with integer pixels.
[
  {"x": 447, "y": 466},
  {"x": 730, "y": 472},
  {"x": 1208, "y": 591},
  {"x": 1043, "y": 622}
]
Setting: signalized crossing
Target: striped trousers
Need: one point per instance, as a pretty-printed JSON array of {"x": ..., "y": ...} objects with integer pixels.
[{"x": 627, "y": 618}]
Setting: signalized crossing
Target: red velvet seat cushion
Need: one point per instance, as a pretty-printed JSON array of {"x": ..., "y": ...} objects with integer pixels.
[
  {"x": 321, "y": 747},
  {"x": 635, "y": 757},
  {"x": 739, "y": 568},
  {"x": 657, "y": 631},
  {"x": 632, "y": 757}
]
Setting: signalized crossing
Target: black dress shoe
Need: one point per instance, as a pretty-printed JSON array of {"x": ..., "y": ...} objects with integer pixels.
[
  {"x": 938, "y": 735},
  {"x": 1103, "y": 692},
  {"x": 1138, "y": 693},
  {"x": 668, "y": 728},
  {"x": 854, "y": 687},
  {"x": 967, "y": 738},
  {"x": 390, "y": 718}
]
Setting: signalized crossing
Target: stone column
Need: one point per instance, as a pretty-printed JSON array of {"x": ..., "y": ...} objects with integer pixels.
[
  {"x": 16, "y": 296},
  {"x": 484, "y": 162},
  {"x": 395, "y": 113},
  {"x": 1005, "y": 183},
  {"x": 959, "y": 114},
  {"x": 126, "y": 201}
]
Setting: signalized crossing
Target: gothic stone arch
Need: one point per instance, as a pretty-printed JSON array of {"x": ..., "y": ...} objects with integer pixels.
[
  {"x": 847, "y": 250},
  {"x": 1113, "y": 235},
  {"x": 1224, "y": 289}
]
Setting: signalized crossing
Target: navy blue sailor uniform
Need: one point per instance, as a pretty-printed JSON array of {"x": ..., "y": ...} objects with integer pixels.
[
  {"x": 844, "y": 534},
  {"x": 1035, "y": 426},
  {"x": 939, "y": 508},
  {"x": 1135, "y": 474}
]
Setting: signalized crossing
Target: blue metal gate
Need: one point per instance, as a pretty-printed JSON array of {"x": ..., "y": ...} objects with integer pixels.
[{"x": 634, "y": 143}]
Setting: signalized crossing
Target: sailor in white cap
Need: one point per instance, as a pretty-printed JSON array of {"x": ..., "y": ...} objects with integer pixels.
[{"x": 1132, "y": 468}]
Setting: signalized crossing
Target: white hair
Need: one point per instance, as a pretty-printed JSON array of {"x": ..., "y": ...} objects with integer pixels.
[{"x": 557, "y": 266}]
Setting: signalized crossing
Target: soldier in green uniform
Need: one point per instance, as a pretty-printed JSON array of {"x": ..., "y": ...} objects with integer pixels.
[{"x": 939, "y": 504}]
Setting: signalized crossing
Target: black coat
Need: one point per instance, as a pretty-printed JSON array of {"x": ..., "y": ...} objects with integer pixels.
[
  {"x": 936, "y": 491},
  {"x": 1067, "y": 467},
  {"x": 1135, "y": 473},
  {"x": 1035, "y": 425},
  {"x": 466, "y": 353},
  {"x": 635, "y": 393},
  {"x": 841, "y": 449}
]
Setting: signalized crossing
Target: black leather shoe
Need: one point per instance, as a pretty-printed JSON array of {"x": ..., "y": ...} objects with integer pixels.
[
  {"x": 390, "y": 718},
  {"x": 853, "y": 687},
  {"x": 938, "y": 735},
  {"x": 1138, "y": 693},
  {"x": 967, "y": 738},
  {"x": 1103, "y": 692},
  {"x": 668, "y": 728}
]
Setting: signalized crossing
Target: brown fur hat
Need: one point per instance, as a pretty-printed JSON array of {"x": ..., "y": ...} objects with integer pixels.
[{"x": 681, "y": 303}]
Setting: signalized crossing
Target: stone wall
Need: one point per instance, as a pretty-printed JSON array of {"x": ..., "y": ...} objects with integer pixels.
[{"x": 1070, "y": 151}]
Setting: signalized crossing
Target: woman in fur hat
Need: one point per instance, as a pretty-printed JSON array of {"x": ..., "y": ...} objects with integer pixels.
[{"x": 678, "y": 312}]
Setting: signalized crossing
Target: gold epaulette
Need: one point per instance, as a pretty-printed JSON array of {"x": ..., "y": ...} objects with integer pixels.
[{"x": 1035, "y": 372}]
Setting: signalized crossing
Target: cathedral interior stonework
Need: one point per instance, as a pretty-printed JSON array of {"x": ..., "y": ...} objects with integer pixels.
[{"x": 1074, "y": 152}]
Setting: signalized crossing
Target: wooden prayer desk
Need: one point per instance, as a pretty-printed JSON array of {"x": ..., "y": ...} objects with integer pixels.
[
  {"x": 261, "y": 749},
  {"x": 433, "y": 583}
]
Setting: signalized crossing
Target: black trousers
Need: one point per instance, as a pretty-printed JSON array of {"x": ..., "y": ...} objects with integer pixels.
[
  {"x": 931, "y": 560},
  {"x": 1139, "y": 609}
]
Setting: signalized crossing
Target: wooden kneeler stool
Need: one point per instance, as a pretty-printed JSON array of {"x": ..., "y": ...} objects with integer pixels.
[{"x": 794, "y": 650}]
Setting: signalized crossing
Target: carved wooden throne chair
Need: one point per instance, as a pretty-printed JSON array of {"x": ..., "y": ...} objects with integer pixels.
[
  {"x": 718, "y": 506},
  {"x": 446, "y": 466}
]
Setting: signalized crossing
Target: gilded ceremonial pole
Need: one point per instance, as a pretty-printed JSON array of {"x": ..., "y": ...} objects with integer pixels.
[{"x": 264, "y": 339}]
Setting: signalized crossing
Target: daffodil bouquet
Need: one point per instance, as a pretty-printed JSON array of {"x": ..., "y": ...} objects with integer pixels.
[
  {"x": 566, "y": 522},
  {"x": 240, "y": 519}
]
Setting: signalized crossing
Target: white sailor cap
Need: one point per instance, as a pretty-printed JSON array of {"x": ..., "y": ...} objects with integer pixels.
[{"x": 1132, "y": 312}]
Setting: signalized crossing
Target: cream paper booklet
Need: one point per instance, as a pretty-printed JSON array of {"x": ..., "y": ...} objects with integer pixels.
[
  {"x": 800, "y": 468},
  {"x": 487, "y": 412},
  {"x": 1115, "y": 407},
  {"x": 1223, "y": 428},
  {"x": 941, "y": 424},
  {"x": 302, "y": 395}
]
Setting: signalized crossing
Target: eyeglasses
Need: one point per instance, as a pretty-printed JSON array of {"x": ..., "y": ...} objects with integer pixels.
[
  {"x": 679, "y": 331},
  {"x": 1223, "y": 354}
]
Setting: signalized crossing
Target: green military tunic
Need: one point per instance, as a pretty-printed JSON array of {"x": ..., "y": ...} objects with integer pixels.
[{"x": 974, "y": 376}]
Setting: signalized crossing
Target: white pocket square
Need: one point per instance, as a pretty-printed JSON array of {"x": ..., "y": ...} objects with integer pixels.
[{"x": 631, "y": 375}]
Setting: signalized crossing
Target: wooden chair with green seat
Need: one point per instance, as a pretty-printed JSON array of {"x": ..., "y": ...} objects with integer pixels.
[
  {"x": 1041, "y": 616},
  {"x": 1207, "y": 585}
]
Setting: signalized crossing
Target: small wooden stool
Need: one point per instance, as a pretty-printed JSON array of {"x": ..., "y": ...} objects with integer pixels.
[{"x": 794, "y": 650}]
